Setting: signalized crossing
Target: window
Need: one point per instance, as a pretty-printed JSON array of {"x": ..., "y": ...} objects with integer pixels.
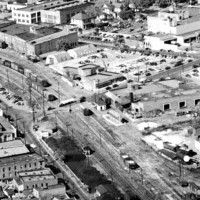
[
  {"x": 14, "y": 14},
  {"x": 29, "y": 164},
  {"x": 35, "y": 164},
  {"x": 19, "y": 20},
  {"x": 9, "y": 168},
  {"x": 25, "y": 165},
  {"x": 19, "y": 15},
  {"x": 23, "y": 20},
  {"x": 197, "y": 102},
  {"x": 3, "y": 169},
  {"x": 33, "y": 15},
  {"x": 22, "y": 15},
  {"x": 15, "y": 167},
  {"x": 27, "y": 21},
  {"x": 3, "y": 175},
  {"x": 166, "y": 107},
  {"x": 41, "y": 184},
  {"x": 27, "y": 16},
  {"x": 182, "y": 104}
]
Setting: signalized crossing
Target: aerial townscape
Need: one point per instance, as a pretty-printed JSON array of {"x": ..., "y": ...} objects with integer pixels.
[{"x": 100, "y": 99}]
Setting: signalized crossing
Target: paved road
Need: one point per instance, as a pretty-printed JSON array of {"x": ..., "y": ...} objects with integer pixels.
[{"x": 175, "y": 71}]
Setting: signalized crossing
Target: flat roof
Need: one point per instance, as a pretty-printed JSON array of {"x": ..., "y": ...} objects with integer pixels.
[
  {"x": 47, "y": 5},
  {"x": 35, "y": 175},
  {"x": 15, "y": 29},
  {"x": 50, "y": 37},
  {"x": 5, "y": 125},
  {"x": 104, "y": 76},
  {"x": 18, "y": 159},
  {"x": 40, "y": 32},
  {"x": 11, "y": 148}
]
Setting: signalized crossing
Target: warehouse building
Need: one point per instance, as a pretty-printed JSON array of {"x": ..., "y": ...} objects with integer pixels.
[
  {"x": 101, "y": 80},
  {"x": 7, "y": 131},
  {"x": 40, "y": 178},
  {"x": 9, "y": 166},
  {"x": 36, "y": 40},
  {"x": 173, "y": 29},
  {"x": 167, "y": 100}
]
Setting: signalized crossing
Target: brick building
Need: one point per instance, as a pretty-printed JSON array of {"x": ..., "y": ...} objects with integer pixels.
[
  {"x": 36, "y": 40},
  {"x": 183, "y": 100},
  {"x": 9, "y": 166},
  {"x": 28, "y": 180}
]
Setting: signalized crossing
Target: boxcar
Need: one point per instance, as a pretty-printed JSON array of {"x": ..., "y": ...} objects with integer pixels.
[
  {"x": 21, "y": 69},
  {"x": 34, "y": 77},
  {"x": 27, "y": 72},
  {"x": 7, "y": 63},
  {"x": 14, "y": 66}
]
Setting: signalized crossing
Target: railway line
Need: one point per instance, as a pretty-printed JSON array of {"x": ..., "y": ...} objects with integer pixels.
[{"x": 99, "y": 138}]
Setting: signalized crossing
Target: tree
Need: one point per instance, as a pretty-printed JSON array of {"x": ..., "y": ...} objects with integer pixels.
[{"x": 62, "y": 45}]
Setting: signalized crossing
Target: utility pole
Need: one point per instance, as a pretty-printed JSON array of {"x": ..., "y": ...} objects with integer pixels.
[
  {"x": 24, "y": 130},
  {"x": 23, "y": 83},
  {"x": 8, "y": 79},
  {"x": 30, "y": 95},
  {"x": 33, "y": 110},
  {"x": 142, "y": 177},
  {"x": 58, "y": 92},
  {"x": 16, "y": 124},
  {"x": 55, "y": 113},
  {"x": 43, "y": 106}
]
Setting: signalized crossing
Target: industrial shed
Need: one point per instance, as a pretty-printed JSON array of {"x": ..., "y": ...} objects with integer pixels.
[
  {"x": 57, "y": 57},
  {"x": 82, "y": 51}
]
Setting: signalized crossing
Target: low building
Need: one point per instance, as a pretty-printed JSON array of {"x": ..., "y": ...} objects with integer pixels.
[
  {"x": 7, "y": 131},
  {"x": 57, "y": 57},
  {"x": 82, "y": 20},
  {"x": 81, "y": 51},
  {"x": 9, "y": 166},
  {"x": 42, "y": 178},
  {"x": 101, "y": 80},
  {"x": 88, "y": 70},
  {"x": 38, "y": 40},
  {"x": 12, "y": 148},
  {"x": 167, "y": 100},
  {"x": 52, "y": 190}
]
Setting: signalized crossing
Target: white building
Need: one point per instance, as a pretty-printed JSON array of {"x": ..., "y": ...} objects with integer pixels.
[
  {"x": 173, "y": 29},
  {"x": 85, "y": 50}
]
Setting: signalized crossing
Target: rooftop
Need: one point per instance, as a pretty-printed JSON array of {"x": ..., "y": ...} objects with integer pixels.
[
  {"x": 81, "y": 16},
  {"x": 50, "y": 37},
  {"x": 35, "y": 175},
  {"x": 18, "y": 159},
  {"x": 104, "y": 76},
  {"x": 15, "y": 29},
  {"x": 5, "y": 125},
  {"x": 12, "y": 148},
  {"x": 39, "y": 32},
  {"x": 55, "y": 4}
]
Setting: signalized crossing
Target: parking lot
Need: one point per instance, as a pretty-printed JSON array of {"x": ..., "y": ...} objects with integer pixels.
[{"x": 132, "y": 64}]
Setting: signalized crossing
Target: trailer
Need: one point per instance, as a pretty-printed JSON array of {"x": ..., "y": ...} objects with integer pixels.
[{"x": 67, "y": 102}]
